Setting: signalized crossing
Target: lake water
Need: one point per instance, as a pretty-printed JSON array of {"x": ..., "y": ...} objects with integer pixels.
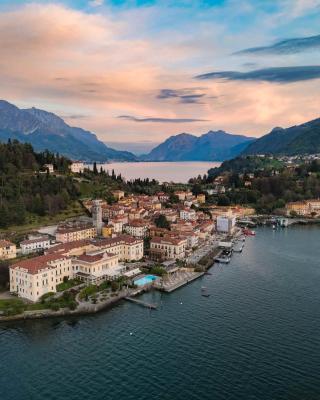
[
  {"x": 162, "y": 171},
  {"x": 256, "y": 336}
]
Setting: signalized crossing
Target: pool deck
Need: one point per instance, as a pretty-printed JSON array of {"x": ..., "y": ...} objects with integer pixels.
[{"x": 179, "y": 281}]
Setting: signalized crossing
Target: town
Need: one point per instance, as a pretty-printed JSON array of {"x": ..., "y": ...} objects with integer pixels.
[
  {"x": 132, "y": 242},
  {"x": 137, "y": 241}
]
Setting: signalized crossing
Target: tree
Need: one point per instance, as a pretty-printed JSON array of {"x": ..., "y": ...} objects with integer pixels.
[
  {"x": 162, "y": 222},
  {"x": 95, "y": 169},
  {"x": 223, "y": 200}
]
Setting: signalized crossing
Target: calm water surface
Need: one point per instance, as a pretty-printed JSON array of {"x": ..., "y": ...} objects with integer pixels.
[
  {"x": 256, "y": 337},
  {"x": 161, "y": 171}
]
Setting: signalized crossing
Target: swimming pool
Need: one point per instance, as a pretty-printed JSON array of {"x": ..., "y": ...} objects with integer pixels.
[{"x": 145, "y": 280}]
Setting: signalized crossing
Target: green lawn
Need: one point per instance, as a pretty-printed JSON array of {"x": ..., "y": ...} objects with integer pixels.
[{"x": 67, "y": 285}]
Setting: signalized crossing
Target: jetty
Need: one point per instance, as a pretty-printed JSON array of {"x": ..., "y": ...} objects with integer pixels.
[{"x": 142, "y": 303}]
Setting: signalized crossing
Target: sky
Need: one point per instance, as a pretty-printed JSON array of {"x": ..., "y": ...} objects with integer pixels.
[{"x": 136, "y": 72}]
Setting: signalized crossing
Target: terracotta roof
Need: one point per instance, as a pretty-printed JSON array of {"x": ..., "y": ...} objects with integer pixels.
[
  {"x": 90, "y": 258},
  {"x": 6, "y": 243},
  {"x": 36, "y": 264},
  {"x": 65, "y": 247},
  {"x": 67, "y": 229},
  {"x": 167, "y": 239}
]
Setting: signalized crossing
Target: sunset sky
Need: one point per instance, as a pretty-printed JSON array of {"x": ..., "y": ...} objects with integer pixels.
[{"x": 136, "y": 72}]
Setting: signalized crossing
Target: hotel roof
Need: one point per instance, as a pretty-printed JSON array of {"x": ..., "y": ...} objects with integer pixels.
[{"x": 36, "y": 264}]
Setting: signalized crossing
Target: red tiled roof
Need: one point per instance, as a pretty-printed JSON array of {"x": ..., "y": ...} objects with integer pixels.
[
  {"x": 65, "y": 247},
  {"x": 166, "y": 239},
  {"x": 36, "y": 264}
]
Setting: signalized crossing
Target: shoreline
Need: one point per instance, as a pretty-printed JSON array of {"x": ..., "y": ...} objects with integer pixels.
[{"x": 91, "y": 309}]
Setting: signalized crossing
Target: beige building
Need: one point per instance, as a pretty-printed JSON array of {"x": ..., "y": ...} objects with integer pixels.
[
  {"x": 125, "y": 247},
  {"x": 37, "y": 276},
  {"x": 118, "y": 194},
  {"x": 8, "y": 250},
  {"x": 304, "y": 208},
  {"x": 167, "y": 248},
  {"x": 97, "y": 266},
  {"x": 65, "y": 233}
]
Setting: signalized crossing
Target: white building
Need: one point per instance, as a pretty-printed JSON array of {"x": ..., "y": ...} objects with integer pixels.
[
  {"x": 77, "y": 167},
  {"x": 137, "y": 228},
  {"x": 34, "y": 245},
  {"x": 188, "y": 214},
  {"x": 49, "y": 167},
  {"x": 226, "y": 224}
]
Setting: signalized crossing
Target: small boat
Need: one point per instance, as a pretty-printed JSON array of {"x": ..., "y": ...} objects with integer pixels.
[
  {"x": 223, "y": 259},
  {"x": 249, "y": 232},
  {"x": 208, "y": 273},
  {"x": 203, "y": 288}
]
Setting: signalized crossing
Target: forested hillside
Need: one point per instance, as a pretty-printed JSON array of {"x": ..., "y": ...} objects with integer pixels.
[{"x": 26, "y": 188}]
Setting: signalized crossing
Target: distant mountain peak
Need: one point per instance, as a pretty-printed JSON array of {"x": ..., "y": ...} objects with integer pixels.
[
  {"x": 211, "y": 146},
  {"x": 46, "y": 130}
]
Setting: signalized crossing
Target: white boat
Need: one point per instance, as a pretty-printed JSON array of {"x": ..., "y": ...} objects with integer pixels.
[{"x": 223, "y": 259}]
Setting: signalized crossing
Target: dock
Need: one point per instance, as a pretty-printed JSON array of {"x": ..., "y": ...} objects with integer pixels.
[{"x": 142, "y": 303}]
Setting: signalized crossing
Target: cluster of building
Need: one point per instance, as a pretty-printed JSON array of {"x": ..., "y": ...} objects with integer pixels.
[{"x": 100, "y": 249}]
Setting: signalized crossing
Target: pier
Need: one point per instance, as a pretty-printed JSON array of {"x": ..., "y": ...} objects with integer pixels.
[{"x": 142, "y": 303}]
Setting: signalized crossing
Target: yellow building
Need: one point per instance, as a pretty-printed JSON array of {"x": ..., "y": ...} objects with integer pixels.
[
  {"x": 107, "y": 231},
  {"x": 201, "y": 198},
  {"x": 8, "y": 250},
  {"x": 65, "y": 234},
  {"x": 300, "y": 208}
]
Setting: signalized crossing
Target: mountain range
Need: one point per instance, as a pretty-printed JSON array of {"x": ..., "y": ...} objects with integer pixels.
[
  {"x": 299, "y": 139},
  {"x": 212, "y": 146},
  {"x": 45, "y": 130}
]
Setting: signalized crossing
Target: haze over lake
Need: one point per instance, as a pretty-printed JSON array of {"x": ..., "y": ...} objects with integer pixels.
[{"x": 161, "y": 171}]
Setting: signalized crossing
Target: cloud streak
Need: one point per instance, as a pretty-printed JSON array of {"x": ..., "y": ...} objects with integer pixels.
[
  {"x": 160, "y": 120},
  {"x": 273, "y": 75},
  {"x": 184, "y": 96},
  {"x": 283, "y": 47}
]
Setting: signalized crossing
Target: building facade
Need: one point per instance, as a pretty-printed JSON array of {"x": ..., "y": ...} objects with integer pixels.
[
  {"x": 34, "y": 245},
  {"x": 8, "y": 250}
]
